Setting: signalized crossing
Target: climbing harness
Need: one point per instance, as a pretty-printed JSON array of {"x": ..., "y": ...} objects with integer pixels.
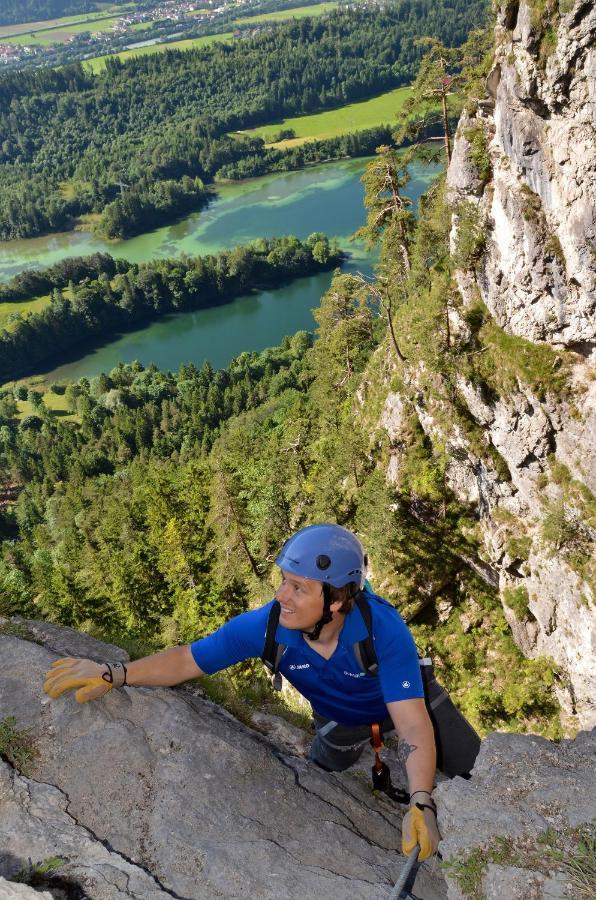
[{"x": 403, "y": 875}]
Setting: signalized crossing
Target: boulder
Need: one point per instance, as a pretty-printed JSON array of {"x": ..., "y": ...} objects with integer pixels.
[
  {"x": 173, "y": 796},
  {"x": 526, "y": 794}
]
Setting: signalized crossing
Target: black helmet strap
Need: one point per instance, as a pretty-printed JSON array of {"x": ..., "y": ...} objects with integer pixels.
[{"x": 325, "y": 618}]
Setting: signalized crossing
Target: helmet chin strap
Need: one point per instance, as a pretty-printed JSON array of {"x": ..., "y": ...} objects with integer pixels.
[{"x": 325, "y": 618}]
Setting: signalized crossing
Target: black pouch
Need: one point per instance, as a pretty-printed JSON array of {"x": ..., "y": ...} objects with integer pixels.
[{"x": 457, "y": 742}]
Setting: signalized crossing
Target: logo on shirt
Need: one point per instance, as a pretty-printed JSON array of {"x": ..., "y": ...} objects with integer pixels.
[
  {"x": 354, "y": 674},
  {"x": 301, "y": 666},
  {"x": 405, "y": 684}
]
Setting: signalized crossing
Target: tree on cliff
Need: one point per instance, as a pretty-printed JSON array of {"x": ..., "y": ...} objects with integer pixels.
[{"x": 433, "y": 99}]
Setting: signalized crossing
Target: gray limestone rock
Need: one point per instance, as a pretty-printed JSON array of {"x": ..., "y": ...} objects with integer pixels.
[
  {"x": 511, "y": 881},
  {"x": 10, "y": 890},
  {"x": 35, "y": 826},
  {"x": 167, "y": 780},
  {"x": 521, "y": 786},
  {"x": 538, "y": 280}
]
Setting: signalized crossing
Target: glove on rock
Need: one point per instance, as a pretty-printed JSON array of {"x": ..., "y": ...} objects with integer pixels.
[{"x": 92, "y": 679}]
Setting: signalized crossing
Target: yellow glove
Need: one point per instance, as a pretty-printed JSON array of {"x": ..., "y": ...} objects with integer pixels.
[
  {"x": 92, "y": 679},
  {"x": 419, "y": 826}
]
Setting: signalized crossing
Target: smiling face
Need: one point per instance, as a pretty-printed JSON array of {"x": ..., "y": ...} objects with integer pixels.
[{"x": 301, "y": 601}]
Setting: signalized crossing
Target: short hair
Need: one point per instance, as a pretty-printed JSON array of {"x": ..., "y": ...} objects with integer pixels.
[{"x": 346, "y": 594}]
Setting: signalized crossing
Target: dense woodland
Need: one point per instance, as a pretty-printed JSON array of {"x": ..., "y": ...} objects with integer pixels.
[
  {"x": 155, "y": 512},
  {"x": 123, "y": 296},
  {"x": 71, "y": 142}
]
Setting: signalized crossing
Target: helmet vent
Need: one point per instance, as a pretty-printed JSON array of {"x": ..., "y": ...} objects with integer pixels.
[{"x": 323, "y": 562}]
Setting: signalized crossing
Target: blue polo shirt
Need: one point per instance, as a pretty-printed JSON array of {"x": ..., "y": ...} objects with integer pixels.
[{"x": 336, "y": 688}]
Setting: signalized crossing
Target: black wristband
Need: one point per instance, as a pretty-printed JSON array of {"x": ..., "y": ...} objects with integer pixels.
[{"x": 413, "y": 794}]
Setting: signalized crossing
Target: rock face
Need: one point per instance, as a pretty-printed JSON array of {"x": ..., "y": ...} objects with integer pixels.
[
  {"x": 157, "y": 792},
  {"x": 539, "y": 277},
  {"x": 34, "y": 825},
  {"x": 524, "y": 172},
  {"x": 525, "y": 801}
]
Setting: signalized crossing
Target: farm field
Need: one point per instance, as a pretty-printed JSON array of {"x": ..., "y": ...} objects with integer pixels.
[
  {"x": 58, "y": 30},
  {"x": 93, "y": 27},
  {"x": 33, "y": 39},
  {"x": 380, "y": 110},
  {"x": 98, "y": 63},
  {"x": 299, "y": 12}
]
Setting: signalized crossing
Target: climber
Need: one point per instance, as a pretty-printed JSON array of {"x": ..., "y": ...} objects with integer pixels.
[{"x": 320, "y": 624}]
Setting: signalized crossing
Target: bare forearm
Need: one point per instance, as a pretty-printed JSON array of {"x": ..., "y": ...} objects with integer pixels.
[
  {"x": 418, "y": 745},
  {"x": 163, "y": 669},
  {"x": 417, "y": 742}
]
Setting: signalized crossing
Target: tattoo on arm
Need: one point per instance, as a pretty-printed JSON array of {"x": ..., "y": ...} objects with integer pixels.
[{"x": 404, "y": 749}]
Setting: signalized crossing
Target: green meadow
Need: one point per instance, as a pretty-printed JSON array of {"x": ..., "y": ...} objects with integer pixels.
[
  {"x": 299, "y": 12},
  {"x": 56, "y": 403},
  {"x": 57, "y": 30},
  {"x": 380, "y": 110},
  {"x": 26, "y": 306}
]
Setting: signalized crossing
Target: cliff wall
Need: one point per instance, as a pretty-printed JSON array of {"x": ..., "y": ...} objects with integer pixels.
[{"x": 521, "y": 187}]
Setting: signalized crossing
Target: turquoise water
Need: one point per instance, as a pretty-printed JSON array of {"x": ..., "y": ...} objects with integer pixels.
[{"x": 327, "y": 198}]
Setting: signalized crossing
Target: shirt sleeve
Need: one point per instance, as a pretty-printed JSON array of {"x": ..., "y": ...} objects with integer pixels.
[
  {"x": 399, "y": 668},
  {"x": 243, "y": 637}
]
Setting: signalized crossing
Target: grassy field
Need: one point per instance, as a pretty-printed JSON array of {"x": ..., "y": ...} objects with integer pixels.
[
  {"x": 43, "y": 39},
  {"x": 93, "y": 27},
  {"x": 98, "y": 63},
  {"x": 56, "y": 403},
  {"x": 299, "y": 12},
  {"x": 380, "y": 110},
  {"x": 58, "y": 30},
  {"x": 26, "y": 306},
  {"x": 143, "y": 26}
]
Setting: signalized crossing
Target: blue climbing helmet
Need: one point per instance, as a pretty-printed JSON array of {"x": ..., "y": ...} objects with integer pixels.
[{"x": 327, "y": 553}]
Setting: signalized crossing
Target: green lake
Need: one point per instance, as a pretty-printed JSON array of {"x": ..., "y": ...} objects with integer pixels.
[{"x": 325, "y": 198}]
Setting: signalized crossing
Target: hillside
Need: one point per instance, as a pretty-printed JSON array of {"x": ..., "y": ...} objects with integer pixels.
[
  {"x": 456, "y": 442},
  {"x": 169, "y": 114}
]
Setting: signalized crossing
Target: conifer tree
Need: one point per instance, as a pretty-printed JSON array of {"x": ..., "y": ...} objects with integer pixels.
[{"x": 433, "y": 99}]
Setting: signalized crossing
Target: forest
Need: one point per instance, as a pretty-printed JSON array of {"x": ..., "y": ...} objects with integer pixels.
[
  {"x": 154, "y": 511},
  {"x": 124, "y": 296},
  {"x": 168, "y": 115}
]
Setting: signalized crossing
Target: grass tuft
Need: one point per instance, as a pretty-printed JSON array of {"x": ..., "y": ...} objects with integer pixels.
[{"x": 16, "y": 745}]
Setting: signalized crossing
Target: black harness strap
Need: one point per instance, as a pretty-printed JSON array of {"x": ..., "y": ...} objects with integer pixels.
[
  {"x": 272, "y": 651},
  {"x": 364, "y": 650}
]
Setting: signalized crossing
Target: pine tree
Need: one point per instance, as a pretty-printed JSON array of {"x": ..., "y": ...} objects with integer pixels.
[{"x": 433, "y": 100}]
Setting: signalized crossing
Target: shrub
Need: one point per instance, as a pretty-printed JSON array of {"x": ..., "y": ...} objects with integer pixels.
[
  {"x": 471, "y": 236},
  {"x": 476, "y": 138},
  {"x": 516, "y": 598}
]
